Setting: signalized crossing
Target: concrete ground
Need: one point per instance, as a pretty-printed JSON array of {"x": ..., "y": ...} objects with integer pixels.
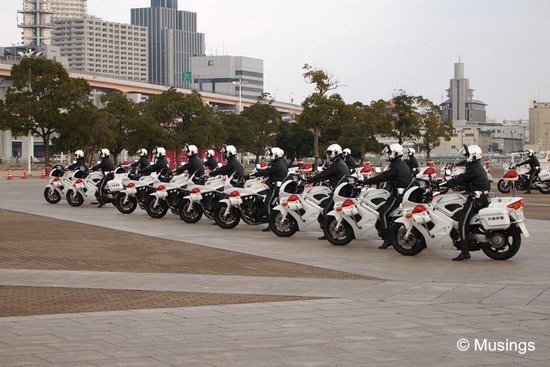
[{"x": 414, "y": 313}]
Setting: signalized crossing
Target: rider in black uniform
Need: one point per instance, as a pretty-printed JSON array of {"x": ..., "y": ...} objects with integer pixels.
[
  {"x": 80, "y": 163},
  {"x": 534, "y": 164},
  {"x": 105, "y": 166},
  {"x": 233, "y": 166},
  {"x": 160, "y": 166},
  {"x": 349, "y": 160},
  {"x": 412, "y": 162},
  {"x": 194, "y": 166},
  {"x": 211, "y": 161},
  {"x": 143, "y": 161},
  {"x": 398, "y": 177},
  {"x": 336, "y": 170},
  {"x": 276, "y": 171},
  {"x": 475, "y": 181}
]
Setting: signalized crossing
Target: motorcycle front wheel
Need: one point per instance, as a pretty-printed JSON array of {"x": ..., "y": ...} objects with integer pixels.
[
  {"x": 129, "y": 206},
  {"x": 51, "y": 195},
  {"x": 158, "y": 211},
  {"x": 228, "y": 221},
  {"x": 74, "y": 198},
  {"x": 408, "y": 247},
  {"x": 507, "y": 244},
  {"x": 282, "y": 228},
  {"x": 338, "y": 236},
  {"x": 190, "y": 214},
  {"x": 503, "y": 186}
]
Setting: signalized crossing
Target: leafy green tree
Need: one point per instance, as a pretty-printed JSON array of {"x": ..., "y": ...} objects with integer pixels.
[
  {"x": 185, "y": 119},
  {"x": 295, "y": 139},
  {"x": 264, "y": 120},
  {"x": 238, "y": 129},
  {"x": 405, "y": 117},
  {"x": 319, "y": 109},
  {"x": 87, "y": 129},
  {"x": 42, "y": 100},
  {"x": 432, "y": 130},
  {"x": 124, "y": 119}
]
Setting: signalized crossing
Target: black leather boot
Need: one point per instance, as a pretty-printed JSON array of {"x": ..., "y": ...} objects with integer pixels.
[
  {"x": 387, "y": 243},
  {"x": 464, "y": 254}
]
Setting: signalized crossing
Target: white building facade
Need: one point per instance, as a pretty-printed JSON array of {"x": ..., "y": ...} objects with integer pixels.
[{"x": 96, "y": 46}]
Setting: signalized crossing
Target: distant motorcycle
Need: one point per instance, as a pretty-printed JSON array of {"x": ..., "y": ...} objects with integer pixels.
[
  {"x": 60, "y": 181},
  {"x": 514, "y": 179}
]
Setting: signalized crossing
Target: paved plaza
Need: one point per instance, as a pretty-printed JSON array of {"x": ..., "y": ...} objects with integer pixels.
[{"x": 197, "y": 295}]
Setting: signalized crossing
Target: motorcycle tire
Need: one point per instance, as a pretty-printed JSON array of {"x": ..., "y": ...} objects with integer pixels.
[
  {"x": 156, "y": 212},
  {"x": 128, "y": 207},
  {"x": 52, "y": 196},
  {"x": 510, "y": 249},
  {"x": 411, "y": 247},
  {"x": 190, "y": 216},
  {"x": 286, "y": 229},
  {"x": 74, "y": 198},
  {"x": 503, "y": 186},
  {"x": 232, "y": 219},
  {"x": 544, "y": 188},
  {"x": 340, "y": 237}
]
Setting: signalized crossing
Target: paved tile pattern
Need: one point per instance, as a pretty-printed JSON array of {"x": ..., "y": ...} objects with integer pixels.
[
  {"x": 26, "y": 300},
  {"x": 412, "y": 316}
]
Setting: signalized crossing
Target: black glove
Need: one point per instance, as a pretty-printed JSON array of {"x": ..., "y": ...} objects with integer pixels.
[
  {"x": 211, "y": 173},
  {"x": 246, "y": 177}
]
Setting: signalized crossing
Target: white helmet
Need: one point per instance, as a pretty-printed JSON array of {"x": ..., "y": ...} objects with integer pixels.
[
  {"x": 471, "y": 152},
  {"x": 347, "y": 152},
  {"x": 530, "y": 153},
  {"x": 411, "y": 152},
  {"x": 393, "y": 151},
  {"x": 210, "y": 153},
  {"x": 104, "y": 153},
  {"x": 333, "y": 151},
  {"x": 142, "y": 152},
  {"x": 274, "y": 153},
  {"x": 79, "y": 154},
  {"x": 229, "y": 151},
  {"x": 192, "y": 150},
  {"x": 159, "y": 152}
]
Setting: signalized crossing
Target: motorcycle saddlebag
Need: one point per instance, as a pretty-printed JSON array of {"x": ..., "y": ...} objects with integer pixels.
[{"x": 494, "y": 218}]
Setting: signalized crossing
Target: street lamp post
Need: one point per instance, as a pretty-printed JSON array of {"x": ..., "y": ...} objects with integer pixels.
[{"x": 240, "y": 83}]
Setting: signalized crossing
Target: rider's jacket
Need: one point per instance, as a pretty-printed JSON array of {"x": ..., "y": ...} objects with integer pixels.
[
  {"x": 276, "y": 171},
  {"x": 80, "y": 162},
  {"x": 106, "y": 165},
  {"x": 233, "y": 166},
  {"x": 160, "y": 165},
  {"x": 194, "y": 167},
  {"x": 334, "y": 173},
  {"x": 142, "y": 163},
  {"x": 398, "y": 176},
  {"x": 473, "y": 179}
]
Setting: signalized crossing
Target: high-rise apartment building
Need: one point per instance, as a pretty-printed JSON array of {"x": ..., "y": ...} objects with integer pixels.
[
  {"x": 36, "y": 22},
  {"x": 93, "y": 45},
  {"x": 173, "y": 40},
  {"x": 38, "y": 16},
  {"x": 68, "y": 9},
  {"x": 216, "y": 74},
  {"x": 461, "y": 105}
]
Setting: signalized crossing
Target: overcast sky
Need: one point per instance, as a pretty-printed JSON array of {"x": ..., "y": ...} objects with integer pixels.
[{"x": 373, "y": 47}]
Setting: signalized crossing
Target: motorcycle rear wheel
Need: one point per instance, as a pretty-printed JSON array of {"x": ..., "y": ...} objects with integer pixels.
[
  {"x": 338, "y": 237},
  {"x": 158, "y": 211},
  {"x": 509, "y": 249},
  {"x": 52, "y": 196},
  {"x": 410, "y": 247},
  {"x": 287, "y": 228},
  {"x": 128, "y": 207},
  {"x": 226, "y": 222}
]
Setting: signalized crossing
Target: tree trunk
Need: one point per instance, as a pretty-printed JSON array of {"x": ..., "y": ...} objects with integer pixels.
[
  {"x": 316, "y": 132},
  {"x": 177, "y": 156},
  {"x": 46, "y": 140}
]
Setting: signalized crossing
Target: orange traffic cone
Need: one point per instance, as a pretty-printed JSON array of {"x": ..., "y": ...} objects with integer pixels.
[
  {"x": 43, "y": 175},
  {"x": 24, "y": 176},
  {"x": 10, "y": 174}
]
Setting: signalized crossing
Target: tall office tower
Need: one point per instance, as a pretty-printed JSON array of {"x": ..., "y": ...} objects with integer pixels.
[
  {"x": 461, "y": 105},
  {"x": 93, "y": 45},
  {"x": 68, "y": 9},
  {"x": 539, "y": 125},
  {"x": 173, "y": 40},
  {"x": 36, "y": 23}
]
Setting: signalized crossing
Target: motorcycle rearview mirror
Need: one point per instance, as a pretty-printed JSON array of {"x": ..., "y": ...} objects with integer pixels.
[
  {"x": 74, "y": 162},
  {"x": 279, "y": 183},
  {"x": 319, "y": 168},
  {"x": 377, "y": 169},
  {"x": 98, "y": 162},
  {"x": 258, "y": 166},
  {"x": 220, "y": 165}
]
